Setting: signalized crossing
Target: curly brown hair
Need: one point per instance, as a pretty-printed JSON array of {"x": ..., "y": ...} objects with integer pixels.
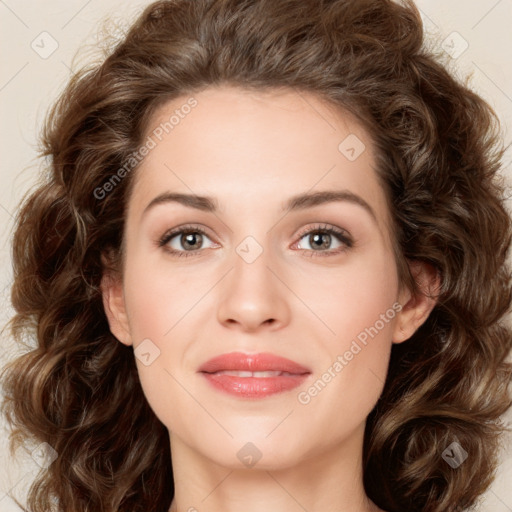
[{"x": 439, "y": 155}]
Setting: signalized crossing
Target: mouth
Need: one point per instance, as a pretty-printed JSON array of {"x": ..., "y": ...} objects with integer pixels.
[{"x": 253, "y": 375}]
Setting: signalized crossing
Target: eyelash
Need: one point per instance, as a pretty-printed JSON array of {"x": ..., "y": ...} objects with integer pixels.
[{"x": 342, "y": 236}]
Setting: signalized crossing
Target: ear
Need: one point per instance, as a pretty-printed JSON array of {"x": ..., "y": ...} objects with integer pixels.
[
  {"x": 114, "y": 306},
  {"x": 416, "y": 307}
]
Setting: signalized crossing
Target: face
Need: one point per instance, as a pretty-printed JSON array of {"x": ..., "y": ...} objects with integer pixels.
[{"x": 257, "y": 225}]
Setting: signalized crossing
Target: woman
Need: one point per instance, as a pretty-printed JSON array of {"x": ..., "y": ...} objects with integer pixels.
[{"x": 266, "y": 270}]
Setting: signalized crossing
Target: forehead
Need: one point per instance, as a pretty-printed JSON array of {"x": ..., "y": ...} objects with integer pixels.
[{"x": 241, "y": 145}]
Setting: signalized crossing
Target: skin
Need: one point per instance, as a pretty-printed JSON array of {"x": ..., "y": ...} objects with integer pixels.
[{"x": 251, "y": 152}]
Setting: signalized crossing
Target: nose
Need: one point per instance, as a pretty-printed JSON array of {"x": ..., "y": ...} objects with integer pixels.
[{"x": 252, "y": 298}]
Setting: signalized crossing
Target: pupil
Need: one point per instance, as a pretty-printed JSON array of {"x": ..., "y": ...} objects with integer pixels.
[{"x": 317, "y": 240}]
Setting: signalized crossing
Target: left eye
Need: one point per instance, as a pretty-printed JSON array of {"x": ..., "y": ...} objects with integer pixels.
[{"x": 323, "y": 240}]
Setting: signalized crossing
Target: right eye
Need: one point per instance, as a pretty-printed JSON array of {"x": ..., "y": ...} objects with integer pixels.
[{"x": 181, "y": 241}]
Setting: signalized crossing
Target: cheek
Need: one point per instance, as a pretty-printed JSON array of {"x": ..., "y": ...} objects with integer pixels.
[
  {"x": 159, "y": 296},
  {"x": 358, "y": 308},
  {"x": 351, "y": 297},
  {"x": 160, "y": 305}
]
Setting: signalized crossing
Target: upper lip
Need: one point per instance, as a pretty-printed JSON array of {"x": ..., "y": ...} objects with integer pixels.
[{"x": 253, "y": 363}]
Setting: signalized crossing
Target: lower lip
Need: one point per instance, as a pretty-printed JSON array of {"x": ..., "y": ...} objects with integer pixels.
[{"x": 254, "y": 387}]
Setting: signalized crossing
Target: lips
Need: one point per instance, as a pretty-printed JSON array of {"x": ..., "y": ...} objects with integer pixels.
[
  {"x": 237, "y": 361},
  {"x": 253, "y": 375}
]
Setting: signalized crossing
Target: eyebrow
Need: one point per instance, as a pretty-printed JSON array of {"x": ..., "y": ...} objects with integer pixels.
[
  {"x": 204, "y": 203},
  {"x": 298, "y": 202},
  {"x": 308, "y": 200}
]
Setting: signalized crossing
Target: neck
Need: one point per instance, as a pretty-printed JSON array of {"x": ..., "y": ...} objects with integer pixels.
[{"x": 331, "y": 481}]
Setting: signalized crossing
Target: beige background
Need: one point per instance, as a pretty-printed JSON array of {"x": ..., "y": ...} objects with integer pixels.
[{"x": 38, "y": 43}]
